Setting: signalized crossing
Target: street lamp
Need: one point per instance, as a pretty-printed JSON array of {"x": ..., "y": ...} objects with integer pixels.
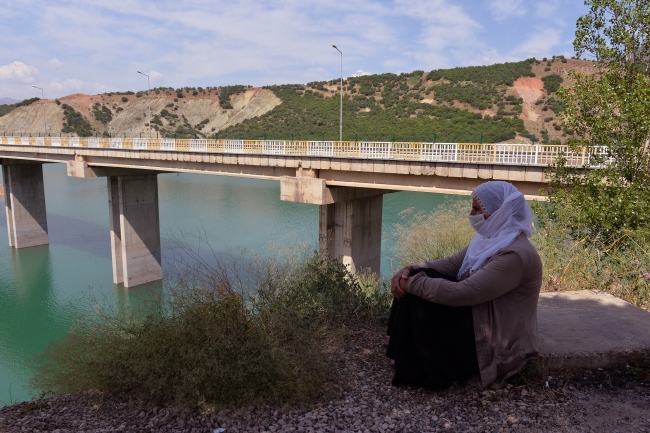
[
  {"x": 43, "y": 105},
  {"x": 148, "y": 101},
  {"x": 341, "y": 118}
]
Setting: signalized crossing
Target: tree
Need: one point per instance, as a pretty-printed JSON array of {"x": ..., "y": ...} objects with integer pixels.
[{"x": 610, "y": 113}]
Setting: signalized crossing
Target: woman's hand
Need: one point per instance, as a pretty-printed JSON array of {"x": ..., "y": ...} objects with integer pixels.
[{"x": 398, "y": 282}]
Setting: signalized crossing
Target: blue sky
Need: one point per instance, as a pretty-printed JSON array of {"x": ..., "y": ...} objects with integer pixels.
[{"x": 75, "y": 46}]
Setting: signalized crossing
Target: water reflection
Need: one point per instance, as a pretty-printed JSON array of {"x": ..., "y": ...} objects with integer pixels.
[{"x": 139, "y": 301}]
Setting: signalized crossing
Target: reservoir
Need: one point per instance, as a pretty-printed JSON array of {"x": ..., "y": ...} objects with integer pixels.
[{"x": 43, "y": 288}]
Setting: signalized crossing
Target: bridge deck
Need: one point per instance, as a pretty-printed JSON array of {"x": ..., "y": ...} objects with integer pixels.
[{"x": 509, "y": 154}]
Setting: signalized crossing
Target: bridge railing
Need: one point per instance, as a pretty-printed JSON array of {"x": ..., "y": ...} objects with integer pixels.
[{"x": 507, "y": 154}]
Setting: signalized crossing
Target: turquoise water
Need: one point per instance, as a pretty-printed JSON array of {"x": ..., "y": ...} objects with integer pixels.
[{"x": 42, "y": 288}]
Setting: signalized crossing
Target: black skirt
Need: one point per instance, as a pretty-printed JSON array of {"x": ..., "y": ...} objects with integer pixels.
[{"x": 433, "y": 345}]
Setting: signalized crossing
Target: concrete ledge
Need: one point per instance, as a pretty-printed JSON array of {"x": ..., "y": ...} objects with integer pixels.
[{"x": 586, "y": 329}]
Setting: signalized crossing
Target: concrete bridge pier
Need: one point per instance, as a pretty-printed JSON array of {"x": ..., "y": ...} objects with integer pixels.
[
  {"x": 349, "y": 218},
  {"x": 135, "y": 229},
  {"x": 134, "y": 221},
  {"x": 25, "y": 203}
]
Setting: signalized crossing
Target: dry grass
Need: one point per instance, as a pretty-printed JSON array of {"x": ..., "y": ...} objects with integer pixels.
[
  {"x": 425, "y": 237},
  {"x": 267, "y": 333},
  {"x": 620, "y": 265}
]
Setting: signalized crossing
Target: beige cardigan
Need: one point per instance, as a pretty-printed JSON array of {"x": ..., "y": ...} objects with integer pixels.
[{"x": 503, "y": 295}]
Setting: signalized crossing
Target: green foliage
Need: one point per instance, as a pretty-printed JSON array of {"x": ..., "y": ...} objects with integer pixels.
[
  {"x": 478, "y": 96},
  {"x": 74, "y": 122},
  {"x": 226, "y": 92},
  {"x": 608, "y": 109},
  {"x": 57, "y": 102},
  {"x": 219, "y": 341},
  {"x": 8, "y": 108},
  {"x": 479, "y": 86},
  {"x": 557, "y": 105},
  {"x": 545, "y": 137},
  {"x": 125, "y": 99},
  {"x": 498, "y": 74},
  {"x": 305, "y": 114},
  {"x": 552, "y": 83},
  {"x": 102, "y": 113}
]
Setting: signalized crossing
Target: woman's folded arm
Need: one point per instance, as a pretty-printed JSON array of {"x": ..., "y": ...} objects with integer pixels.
[
  {"x": 447, "y": 266},
  {"x": 498, "y": 276}
]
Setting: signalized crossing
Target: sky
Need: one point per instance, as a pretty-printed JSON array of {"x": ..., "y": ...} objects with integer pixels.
[{"x": 76, "y": 46}]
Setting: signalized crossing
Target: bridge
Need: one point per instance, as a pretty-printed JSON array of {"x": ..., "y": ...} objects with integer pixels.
[{"x": 346, "y": 179}]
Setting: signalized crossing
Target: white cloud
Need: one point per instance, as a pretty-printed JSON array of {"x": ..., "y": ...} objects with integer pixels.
[
  {"x": 206, "y": 43},
  {"x": 502, "y": 9},
  {"x": 540, "y": 44},
  {"x": 69, "y": 85},
  {"x": 360, "y": 73},
  {"x": 18, "y": 71},
  {"x": 547, "y": 9},
  {"x": 53, "y": 64}
]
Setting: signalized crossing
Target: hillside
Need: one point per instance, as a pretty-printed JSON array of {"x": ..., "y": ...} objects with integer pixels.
[
  {"x": 502, "y": 102},
  {"x": 186, "y": 112}
]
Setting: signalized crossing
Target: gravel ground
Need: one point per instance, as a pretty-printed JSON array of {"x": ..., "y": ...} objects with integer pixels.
[{"x": 598, "y": 401}]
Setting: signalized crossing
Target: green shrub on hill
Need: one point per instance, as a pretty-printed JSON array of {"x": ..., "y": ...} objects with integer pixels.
[
  {"x": 552, "y": 83},
  {"x": 226, "y": 92},
  {"x": 396, "y": 116},
  {"x": 102, "y": 113},
  {"x": 498, "y": 74},
  {"x": 479, "y": 86},
  {"x": 8, "y": 108},
  {"x": 74, "y": 122}
]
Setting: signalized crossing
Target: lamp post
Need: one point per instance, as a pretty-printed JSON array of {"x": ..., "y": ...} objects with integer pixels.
[
  {"x": 42, "y": 105},
  {"x": 148, "y": 101},
  {"x": 341, "y": 118}
]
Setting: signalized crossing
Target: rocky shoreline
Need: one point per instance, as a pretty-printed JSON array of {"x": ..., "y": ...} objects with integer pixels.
[{"x": 599, "y": 401}]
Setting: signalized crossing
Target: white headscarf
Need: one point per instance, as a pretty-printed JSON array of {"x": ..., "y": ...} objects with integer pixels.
[{"x": 508, "y": 216}]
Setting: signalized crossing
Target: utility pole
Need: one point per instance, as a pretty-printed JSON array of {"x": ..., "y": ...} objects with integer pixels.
[
  {"x": 148, "y": 101},
  {"x": 42, "y": 105},
  {"x": 341, "y": 118}
]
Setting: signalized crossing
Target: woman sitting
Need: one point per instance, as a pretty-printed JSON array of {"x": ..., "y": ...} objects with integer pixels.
[{"x": 472, "y": 316}]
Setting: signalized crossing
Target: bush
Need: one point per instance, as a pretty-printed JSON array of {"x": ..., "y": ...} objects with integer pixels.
[
  {"x": 125, "y": 99},
  {"x": 224, "y": 336},
  {"x": 74, "y": 122},
  {"x": 552, "y": 83},
  {"x": 619, "y": 265},
  {"x": 429, "y": 237}
]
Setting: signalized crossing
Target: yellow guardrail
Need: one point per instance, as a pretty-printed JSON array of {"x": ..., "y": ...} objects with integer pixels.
[{"x": 509, "y": 154}]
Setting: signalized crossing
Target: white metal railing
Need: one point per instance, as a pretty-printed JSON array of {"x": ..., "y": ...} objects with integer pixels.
[{"x": 507, "y": 154}]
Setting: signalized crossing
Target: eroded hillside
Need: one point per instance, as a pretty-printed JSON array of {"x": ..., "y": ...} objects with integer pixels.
[{"x": 186, "y": 113}]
